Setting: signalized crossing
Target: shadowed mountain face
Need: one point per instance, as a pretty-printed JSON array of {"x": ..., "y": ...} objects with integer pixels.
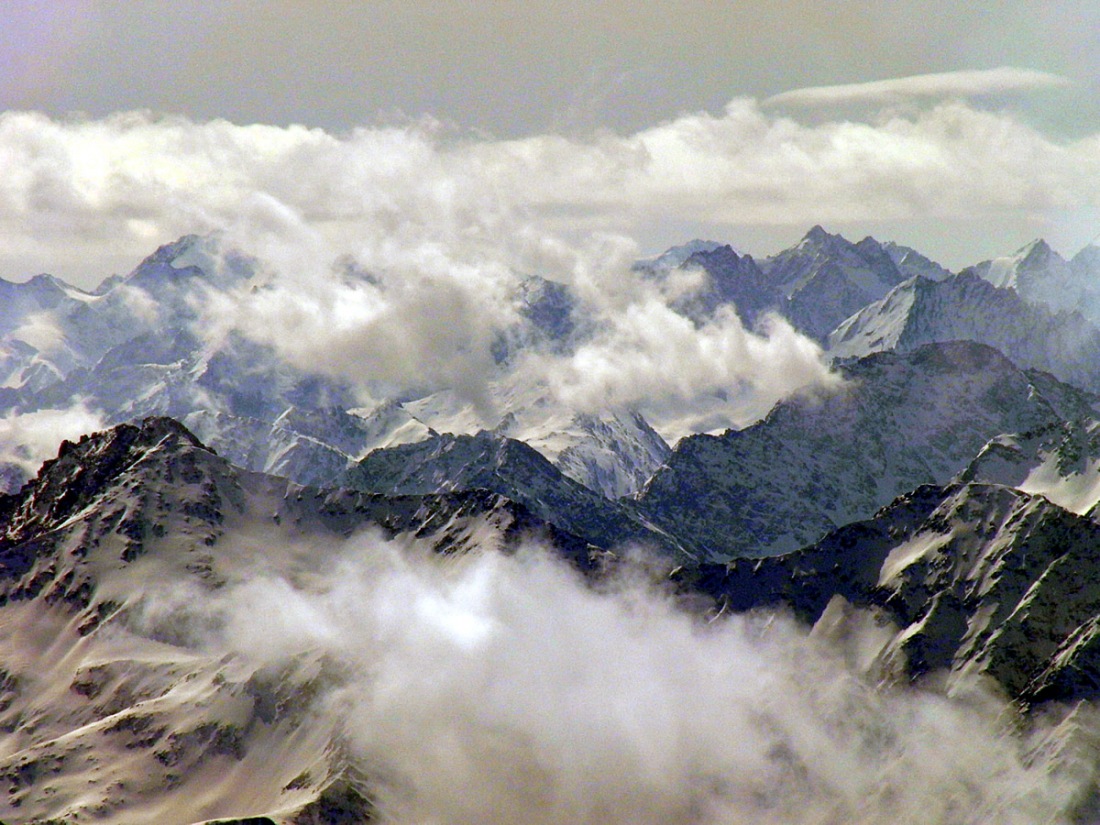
[
  {"x": 976, "y": 579},
  {"x": 903, "y": 419},
  {"x": 132, "y": 560},
  {"x": 815, "y": 285},
  {"x": 187, "y": 641},
  {"x": 826, "y": 278}
]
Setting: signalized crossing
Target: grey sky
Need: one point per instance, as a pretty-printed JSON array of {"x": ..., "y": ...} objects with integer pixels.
[
  {"x": 512, "y": 70},
  {"x": 515, "y": 68}
]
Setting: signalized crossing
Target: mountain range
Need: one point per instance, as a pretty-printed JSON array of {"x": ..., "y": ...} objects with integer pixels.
[{"x": 945, "y": 492}]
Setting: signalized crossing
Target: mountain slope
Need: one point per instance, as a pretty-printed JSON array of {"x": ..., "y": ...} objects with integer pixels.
[
  {"x": 1042, "y": 276},
  {"x": 826, "y": 278},
  {"x": 139, "y": 347},
  {"x": 1059, "y": 462},
  {"x": 730, "y": 279},
  {"x": 489, "y": 461},
  {"x": 903, "y": 419}
]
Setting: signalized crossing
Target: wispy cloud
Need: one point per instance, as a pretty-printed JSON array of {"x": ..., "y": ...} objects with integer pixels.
[
  {"x": 28, "y": 439},
  {"x": 939, "y": 85},
  {"x": 490, "y": 689}
]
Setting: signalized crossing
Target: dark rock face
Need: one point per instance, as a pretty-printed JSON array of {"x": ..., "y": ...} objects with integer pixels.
[
  {"x": 826, "y": 278},
  {"x": 138, "y": 481},
  {"x": 732, "y": 279},
  {"x": 81, "y": 474},
  {"x": 145, "y": 506},
  {"x": 978, "y": 579}
]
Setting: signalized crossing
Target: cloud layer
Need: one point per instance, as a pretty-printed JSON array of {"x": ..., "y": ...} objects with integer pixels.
[
  {"x": 489, "y": 689},
  {"x": 84, "y": 195},
  {"x": 28, "y": 439}
]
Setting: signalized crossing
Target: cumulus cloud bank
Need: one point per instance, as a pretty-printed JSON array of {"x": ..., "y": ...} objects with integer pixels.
[
  {"x": 82, "y": 192},
  {"x": 491, "y": 689},
  {"x": 686, "y": 378}
]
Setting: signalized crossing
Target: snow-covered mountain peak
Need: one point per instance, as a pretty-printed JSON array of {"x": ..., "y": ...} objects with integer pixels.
[
  {"x": 1037, "y": 253},
  {"x": 910, "y": 262},
  {"x": 1087, "y": 259},
  {"x": 968, "y": 306},
  {"x": 84, "y": 469},
  {"x": 204, "y": 258},
  {"x": 677, "y": 255},
  {"x": 817, "y": 236},
  {"x": 903, "y": 419},
  {"x": 826, "y": 278}
]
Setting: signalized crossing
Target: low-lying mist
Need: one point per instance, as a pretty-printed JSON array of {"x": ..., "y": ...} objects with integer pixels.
[{"x": 500, "y": 689}]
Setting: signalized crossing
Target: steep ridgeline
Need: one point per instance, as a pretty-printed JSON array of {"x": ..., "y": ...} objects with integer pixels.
[
  {"x": 826, "y": 278},
  {"x": 135, "y": 349},
  {"x": 1060, "y": 462},
  {"x": 730, "y": 279},
  {"x": 489, "y": 461},
  {"x": 613, "y": 452},
  {"x": 966, "y": 307},
  {"x": 1042, "y": 276},
  {"x": 977, "y": 579},
  {"x": 118, "y": 705},
  {"x": 68, "y": 330},
  {"x": 814, "y": 285},
  {"x": 903, "y": 419}
]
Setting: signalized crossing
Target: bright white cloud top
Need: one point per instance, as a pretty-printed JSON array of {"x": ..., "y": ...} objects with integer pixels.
[{"x": 86, "y": 197}]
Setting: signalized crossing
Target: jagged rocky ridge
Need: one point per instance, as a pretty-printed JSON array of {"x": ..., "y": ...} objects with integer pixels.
[
  {"x": 1042, "y": 276},
  {"x": 488, "y": 461},
  {"x": 815, "y": 285},
  {"x": 138, "y": 347},
  {"x": 976, "y": 578}
]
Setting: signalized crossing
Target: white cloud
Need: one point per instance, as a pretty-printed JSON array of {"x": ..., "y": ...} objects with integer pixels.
[
  {"x": 28, "y": 439},
  {"x": 685, "y": 379},
  {"x": 82, "y": 194},
  {"x": 941, "y": 84},
  {"x": 40, "y": 331},
  {"x": 490, "y": 689}
]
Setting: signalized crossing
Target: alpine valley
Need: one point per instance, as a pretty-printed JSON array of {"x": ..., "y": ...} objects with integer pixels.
[{"x": 249, "y": 591}]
